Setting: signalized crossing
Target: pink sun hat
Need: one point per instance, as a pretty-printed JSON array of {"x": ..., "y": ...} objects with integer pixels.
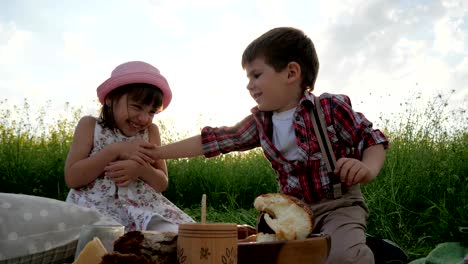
[{"x": 135, "y": 72}]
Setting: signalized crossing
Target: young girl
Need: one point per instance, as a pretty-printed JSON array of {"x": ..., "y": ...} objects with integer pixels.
[{"x": 102, "y": 169}]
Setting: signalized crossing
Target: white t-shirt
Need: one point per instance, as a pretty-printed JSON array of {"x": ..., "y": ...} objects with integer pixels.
[{"x": 284, "y": 137}]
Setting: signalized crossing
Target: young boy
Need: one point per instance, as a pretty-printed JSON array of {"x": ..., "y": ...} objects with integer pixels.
[{"x": 282, "y": 67}]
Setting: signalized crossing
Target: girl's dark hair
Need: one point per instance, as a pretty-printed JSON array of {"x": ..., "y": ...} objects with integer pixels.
[{"x": 142, "y": 93}]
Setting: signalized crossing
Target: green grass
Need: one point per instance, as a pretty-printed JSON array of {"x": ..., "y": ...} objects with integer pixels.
[
  {"x": 420, "y": 198},
  {"x": 230, "y": 181}
]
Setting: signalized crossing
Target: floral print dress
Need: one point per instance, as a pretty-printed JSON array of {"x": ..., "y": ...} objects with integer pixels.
[{"x": 133, "y": 206}]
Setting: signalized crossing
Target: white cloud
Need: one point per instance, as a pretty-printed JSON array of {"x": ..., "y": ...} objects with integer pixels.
[
  {"x": 87, "y": 20},
  {"x": 376, "y": 47},
  {"x": 456, "y": 7},
  {"x": 15, "y": 41},
  {"x": 381, "y": 52},
  {"x": 406, "y": 52},
  {"x": 25, "y": 86},
  {"x": 449, "y": 36},
  {"x": 209, "y": 76},
  {"x": 76, "y": 47},
  {"x": 171, "y": 16},
  {"x": 463, "y": 67},
  {"x": 164, "y": 16},
  {"x": 335, "y": 9},
  {"x": 460, "y": 79},
  {"x": 272, "y": 11}
]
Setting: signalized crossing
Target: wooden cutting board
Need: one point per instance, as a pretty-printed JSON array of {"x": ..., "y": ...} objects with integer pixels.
[{"x": 310, "y": 250}]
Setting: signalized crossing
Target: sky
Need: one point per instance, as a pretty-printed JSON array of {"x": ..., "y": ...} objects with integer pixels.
[{"x": 379, "y": 52}]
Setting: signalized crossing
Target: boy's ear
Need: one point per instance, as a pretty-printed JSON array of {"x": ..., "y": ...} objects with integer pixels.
[
  {"x": 294, "y": 71},
  {"x": 108, "y": 102}
]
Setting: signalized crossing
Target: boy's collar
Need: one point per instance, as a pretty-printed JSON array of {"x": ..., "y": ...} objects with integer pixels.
[{"x": 307, "y": 97}]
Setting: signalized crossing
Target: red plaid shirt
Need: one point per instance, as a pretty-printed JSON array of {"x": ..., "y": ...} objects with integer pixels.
[{"x": 350, "y": 134}]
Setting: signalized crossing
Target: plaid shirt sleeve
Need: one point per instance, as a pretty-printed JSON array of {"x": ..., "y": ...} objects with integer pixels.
[
  {"x": 354, "y": 127},
  {"x": 242, "y": 136}
]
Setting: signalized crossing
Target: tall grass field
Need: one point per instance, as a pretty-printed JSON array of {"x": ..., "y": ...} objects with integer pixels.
[{"x": 419, "y": 199}]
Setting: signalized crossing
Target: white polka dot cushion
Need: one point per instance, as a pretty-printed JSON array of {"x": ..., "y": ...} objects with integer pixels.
[{"x": 41, "y": 230}]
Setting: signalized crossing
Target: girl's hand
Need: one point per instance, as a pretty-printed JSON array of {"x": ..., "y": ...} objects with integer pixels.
[
  {"x": 352, "y": 171},
  {"x": 123, "y": 172}
]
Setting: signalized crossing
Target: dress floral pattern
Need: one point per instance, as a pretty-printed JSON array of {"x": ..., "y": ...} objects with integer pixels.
[{"x": 133, "y": 206}]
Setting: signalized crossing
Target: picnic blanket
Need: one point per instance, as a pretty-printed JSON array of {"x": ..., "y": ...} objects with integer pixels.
[
  {"x": 445, "y": 253},
  {"x": 41, "y": 230}
]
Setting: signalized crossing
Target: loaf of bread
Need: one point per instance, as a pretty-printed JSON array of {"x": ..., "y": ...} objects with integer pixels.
[
  {"x": 144, "y": 247},
  {"x": 282, "y": 217}
]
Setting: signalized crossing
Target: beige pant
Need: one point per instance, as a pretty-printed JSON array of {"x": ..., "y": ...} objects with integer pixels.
[{"x": 344, "y": 220}]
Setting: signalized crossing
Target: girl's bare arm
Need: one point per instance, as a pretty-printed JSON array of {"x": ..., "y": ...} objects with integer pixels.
[{"x": 80, "y": 169}]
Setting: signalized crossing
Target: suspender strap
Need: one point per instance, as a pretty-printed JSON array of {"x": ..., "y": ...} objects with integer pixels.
[{"x": 318, "y": 121}]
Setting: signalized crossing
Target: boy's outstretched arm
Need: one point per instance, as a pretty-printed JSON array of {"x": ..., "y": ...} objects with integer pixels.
[
  {"x": 354, "y": 171},
  {"x": 189, "y": 147}
]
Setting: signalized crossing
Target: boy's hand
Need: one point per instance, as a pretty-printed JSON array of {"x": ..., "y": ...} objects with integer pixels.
[
  {"x": 138, "y": 157},
  {"x": 130, "y": 149},
  {"x": 123, "y": 172},
  {"x": 145, "y": 151},
  {"x": 352, "y": 171}
]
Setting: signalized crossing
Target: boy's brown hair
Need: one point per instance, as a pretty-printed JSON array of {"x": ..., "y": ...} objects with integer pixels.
[{"x": 282, "y": 45}]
